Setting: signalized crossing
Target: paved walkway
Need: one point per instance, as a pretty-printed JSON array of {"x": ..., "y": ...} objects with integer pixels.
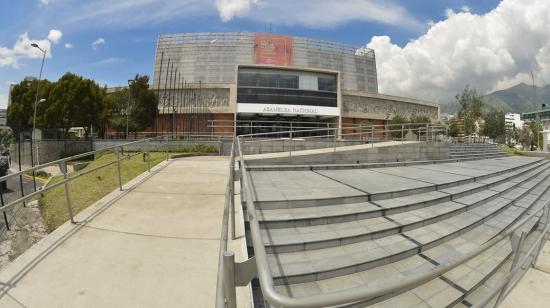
[
  {"x": 155, "y": 245},
  {"x": 533, "y": 290}
]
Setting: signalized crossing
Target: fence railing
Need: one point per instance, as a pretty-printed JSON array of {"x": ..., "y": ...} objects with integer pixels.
[
  {"x": 231, "y": 274},
  {"x": 122, "y": 151}
]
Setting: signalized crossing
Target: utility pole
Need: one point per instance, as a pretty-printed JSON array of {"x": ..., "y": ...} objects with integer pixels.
[{"x": 537, "y": 135}]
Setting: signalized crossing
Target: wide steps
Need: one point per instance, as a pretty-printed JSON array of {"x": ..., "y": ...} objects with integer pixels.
[
  {"x": 322, "y": 263},
  {"x": 327, "y": 214},
  {"x": 297, "y": 189}
]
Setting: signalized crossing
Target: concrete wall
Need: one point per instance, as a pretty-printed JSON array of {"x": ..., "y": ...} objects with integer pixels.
[
  {"x": 407, "y": 152},
  {"x": 48, "y": 150}
]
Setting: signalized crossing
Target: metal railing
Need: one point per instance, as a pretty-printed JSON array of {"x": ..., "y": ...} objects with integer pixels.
[
  {"x": 144, "y": 150},
  {"x": 229, "y": 270},
  {"x": 124, "y": 151}
]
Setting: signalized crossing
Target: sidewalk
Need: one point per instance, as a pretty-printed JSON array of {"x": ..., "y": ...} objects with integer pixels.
[
  {"x": 533, "y": 290},
  {"x": 155, "y": 245}
]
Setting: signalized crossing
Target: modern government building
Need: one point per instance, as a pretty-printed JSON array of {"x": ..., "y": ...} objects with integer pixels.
[{"x": 257, "y": 82}]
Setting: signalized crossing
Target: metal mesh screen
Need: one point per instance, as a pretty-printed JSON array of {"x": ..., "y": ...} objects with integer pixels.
[{"x": 213, "y": 58}]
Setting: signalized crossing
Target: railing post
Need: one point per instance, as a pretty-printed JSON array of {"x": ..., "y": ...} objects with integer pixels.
[
  {"x": 148, "y": 153},
  {"x": 63, "y": 167},
  {"x": 402, "y": 131},
  {"x": 4, "y": 212},
  {"x": 544, "y": 220},
  {"x": 229, "y": 291},
  {"x": 117, "y": 153},
  {"x": 220, "y": 146},
  {"x": 166, "y": 147},
  {"x": 517, "y": 243}
]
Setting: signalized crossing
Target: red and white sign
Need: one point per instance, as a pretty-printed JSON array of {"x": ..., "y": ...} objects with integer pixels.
[{"x": 273, "y": 49}]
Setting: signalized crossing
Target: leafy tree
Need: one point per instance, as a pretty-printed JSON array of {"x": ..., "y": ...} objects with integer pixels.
[
  {"x": 21, "y": 110},
  {"x": 6, "y": 137},
  {"x": 525, "y": 137},
  {"x": 74, "y": 101},
  {"x": 495, "y": 125},
  {"x": 454, "y": 127},
  {"x": 114, "y": 113},
  {"x": 536, "y": 134},
  {"x": 143, "y": 104},
  {"x": 471, "y": 107},
  {"x": 395, "y": 127}
]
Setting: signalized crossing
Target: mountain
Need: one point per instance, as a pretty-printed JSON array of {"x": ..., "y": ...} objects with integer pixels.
[{"x": 517, "y": 99}]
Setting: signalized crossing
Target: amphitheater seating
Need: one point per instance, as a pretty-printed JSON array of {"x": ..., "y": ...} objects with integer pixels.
[
  {"x": 475, "y": 150},
  {"x": 328, "y": 229}
]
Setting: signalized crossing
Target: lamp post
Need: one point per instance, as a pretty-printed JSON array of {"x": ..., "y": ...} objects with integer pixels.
[
  {"x": 130, "y": 83},
  {"x": 35, "y": 45}
]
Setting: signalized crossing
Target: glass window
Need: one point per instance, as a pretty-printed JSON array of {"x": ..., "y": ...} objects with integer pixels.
[
  {"x": 288, "y": 82},
  {"x": 327, "y": 84}
]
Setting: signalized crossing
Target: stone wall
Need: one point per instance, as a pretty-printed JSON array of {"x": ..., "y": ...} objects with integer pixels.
[{"x": 397, "y": 153}]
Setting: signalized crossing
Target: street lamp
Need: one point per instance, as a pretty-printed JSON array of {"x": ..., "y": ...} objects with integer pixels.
[
  {"x": 35, "y": 45},
  {"x": 130, "y": 83}
]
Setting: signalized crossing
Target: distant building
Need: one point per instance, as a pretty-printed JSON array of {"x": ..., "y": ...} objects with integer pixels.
[
  {"x": 3, "y": 118},
  {"x": 513, "y": 119},
  {"x": 542, "y": 115}
]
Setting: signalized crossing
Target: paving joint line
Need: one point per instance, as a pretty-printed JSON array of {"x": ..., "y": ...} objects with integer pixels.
[
  {"x": 411, "y": 240},
  {"x": 348, "y": 185},
  {"x": 452, "y": 284},
  {"x": 432, "y": 261}
]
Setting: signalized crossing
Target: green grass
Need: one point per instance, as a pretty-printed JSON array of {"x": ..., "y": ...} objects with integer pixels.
[
  {"x": 510, "y": 150},
  {"x": 89, "y": 188}
]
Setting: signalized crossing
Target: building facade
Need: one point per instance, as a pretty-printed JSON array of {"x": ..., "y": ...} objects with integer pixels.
[{"x": 235, "y": 82}]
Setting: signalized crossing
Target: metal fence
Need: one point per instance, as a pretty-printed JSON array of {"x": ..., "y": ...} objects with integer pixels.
[
  {"x": 122, "y": 152},
  {"x": 231, "y": 274}
]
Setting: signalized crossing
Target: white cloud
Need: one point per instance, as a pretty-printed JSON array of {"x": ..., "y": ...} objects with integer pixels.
[
  {"x": 96, "y": 43},
  {"x": 44, "y": 2},
  {"x": 231, "y": 8},
  {"x": 465, "y": 8},
  {"x": 22, "y": 49},
  {"x": 319, "y": 13},
  {"x": 68, "y": 45},
  {"x": 111, "y": 60},
  {"x": 54, "y": 36},
  {"x": 488, "y": 52}
]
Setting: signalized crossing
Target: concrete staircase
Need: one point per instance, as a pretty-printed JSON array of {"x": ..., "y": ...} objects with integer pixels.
[
  {"x": 329, "y": 229},
  {"x": 475, "y": 150}
]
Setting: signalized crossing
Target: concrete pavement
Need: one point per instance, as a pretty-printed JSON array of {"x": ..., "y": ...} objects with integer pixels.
[
  {"x": 533, "y": 289},
  {"x": 154, "y": 245}
]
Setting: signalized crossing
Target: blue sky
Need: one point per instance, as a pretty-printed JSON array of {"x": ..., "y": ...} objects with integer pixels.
[{"x": 125, "y": 32}]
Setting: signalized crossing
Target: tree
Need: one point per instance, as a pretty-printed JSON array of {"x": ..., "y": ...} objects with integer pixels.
[
  {"x": 525, "y": 137},
  {"x": 536, "y": 139},
  {"x": 395, "y": 127},
  {"x": 495, "y": 125},
  {"x": 114, "y": 112},
  {"x": 74, "y": 101},
  {"x": 21, "y": 110},
  {"x": 454, "y": 127},
  {"x": 471, "y": 107},
  {"x": 143, "y": 103}
]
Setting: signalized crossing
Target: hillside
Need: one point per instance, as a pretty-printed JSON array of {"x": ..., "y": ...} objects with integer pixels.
[{"x": 517, "y": 99}]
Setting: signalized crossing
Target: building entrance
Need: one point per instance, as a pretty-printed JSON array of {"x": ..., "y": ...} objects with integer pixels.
[{"x": 300, "y": 126}]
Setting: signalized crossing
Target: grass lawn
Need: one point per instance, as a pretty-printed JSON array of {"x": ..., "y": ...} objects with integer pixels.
[{"x": 86, "y": 190}]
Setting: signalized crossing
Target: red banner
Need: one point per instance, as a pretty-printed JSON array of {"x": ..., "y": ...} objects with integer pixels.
[{"x": 273, "y": 49}]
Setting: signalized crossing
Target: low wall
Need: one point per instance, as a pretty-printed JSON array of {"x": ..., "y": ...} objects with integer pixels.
[
  {"x": 392, "y": 153},
  {"x": 50, "y": 150},
  {"x": 45, "y": 151}
]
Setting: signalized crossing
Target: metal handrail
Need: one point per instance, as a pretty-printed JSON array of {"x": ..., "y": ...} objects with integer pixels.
[
  {"x": 220, "y": 298},
  {"x": 63, "y": 164},
  {"x": 351, "y": 295},
  {"x": 507, "y": 279}
]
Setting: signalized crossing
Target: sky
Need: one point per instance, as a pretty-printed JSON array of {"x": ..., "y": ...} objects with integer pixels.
[{"x": 425, "y": 49}]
